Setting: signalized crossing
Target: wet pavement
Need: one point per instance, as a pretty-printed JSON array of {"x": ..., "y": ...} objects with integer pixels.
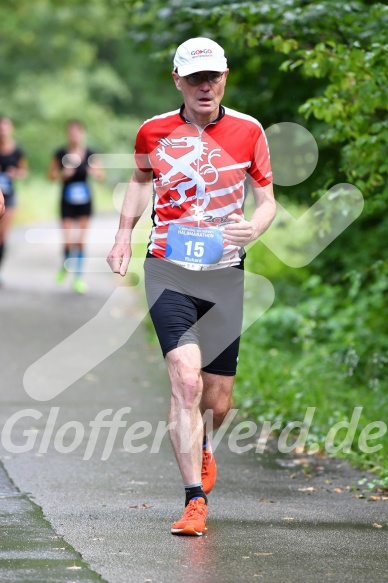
[
  {"x": 30, "y": 550},
  {"x": 272, "y": 517}
]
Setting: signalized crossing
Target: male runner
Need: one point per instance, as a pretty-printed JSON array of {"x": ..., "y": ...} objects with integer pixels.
[{"x": 198, "y": 158}]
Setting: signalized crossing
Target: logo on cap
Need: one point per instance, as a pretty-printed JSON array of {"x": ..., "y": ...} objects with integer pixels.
[{"x": 202, "y": 51}]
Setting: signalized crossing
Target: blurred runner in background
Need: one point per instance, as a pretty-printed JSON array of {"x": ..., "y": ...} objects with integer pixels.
[
  {"x": 12, "y": 165},
  {"x": 71, "y": 166}
]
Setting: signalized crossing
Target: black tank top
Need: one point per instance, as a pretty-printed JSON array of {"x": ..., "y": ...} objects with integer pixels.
[
  {"x": 80, "y": 174},
  {"x": 10, "y": 160}
]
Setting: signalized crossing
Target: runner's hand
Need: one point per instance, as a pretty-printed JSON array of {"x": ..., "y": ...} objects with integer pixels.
[
  {"x": 119, "y": 258},
  {"x": 67, "y": 173},
  {"x": 239, "y": 233},
  {"x": 11, "y": 171}
]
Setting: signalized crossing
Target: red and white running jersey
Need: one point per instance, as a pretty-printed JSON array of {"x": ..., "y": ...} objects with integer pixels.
[{"x": 200, "y": 174}]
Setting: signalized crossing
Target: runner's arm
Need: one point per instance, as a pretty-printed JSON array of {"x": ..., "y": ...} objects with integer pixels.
[
  {"x": 96, "y": 171},
  {"x": 2, "y": 205},
  {"x": 19, "y": 171},
  {"x": 55, "y": 172},
  {"x": 135, "y": 203},
  {"x": 242, "y": 231}
]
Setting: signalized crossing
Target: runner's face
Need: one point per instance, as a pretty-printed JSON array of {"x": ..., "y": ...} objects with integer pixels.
[
  {"x": 76, "y": 134},
  {"x": 203, "y": 99},
  {"x": 6, "y": 128}
]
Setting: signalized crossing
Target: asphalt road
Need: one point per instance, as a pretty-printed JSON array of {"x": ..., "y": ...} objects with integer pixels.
[{"x": 272, "y": 517}]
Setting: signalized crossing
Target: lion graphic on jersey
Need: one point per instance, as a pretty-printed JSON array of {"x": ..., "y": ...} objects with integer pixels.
[{"x": 184, "y": 165}]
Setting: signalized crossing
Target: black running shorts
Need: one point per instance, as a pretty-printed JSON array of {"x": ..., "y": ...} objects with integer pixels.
[
  {"x": 197, "y": 307},
  {"x": 74, "y": 211}
]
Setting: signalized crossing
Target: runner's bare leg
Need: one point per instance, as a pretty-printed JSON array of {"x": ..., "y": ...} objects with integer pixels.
[
  {"x": 184, "y": 369},
  {"x": 216, "y": 396}
]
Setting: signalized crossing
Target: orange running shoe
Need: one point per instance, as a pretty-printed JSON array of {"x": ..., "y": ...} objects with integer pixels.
[
  {"x": 193, "y": 520},
  {"x": 209, "y": 469}
]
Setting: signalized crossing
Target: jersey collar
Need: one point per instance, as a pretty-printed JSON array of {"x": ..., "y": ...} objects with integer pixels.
[{"x": 219, "y": 118}]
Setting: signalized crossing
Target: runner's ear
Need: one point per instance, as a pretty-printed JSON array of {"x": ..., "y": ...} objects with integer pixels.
[{"x": 177, "y": 80}]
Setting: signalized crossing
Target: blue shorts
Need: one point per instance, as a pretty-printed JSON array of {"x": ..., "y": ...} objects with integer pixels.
[{"x": 197, "y": 307}]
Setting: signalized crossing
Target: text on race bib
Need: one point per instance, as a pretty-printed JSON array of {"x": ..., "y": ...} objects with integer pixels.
[
  {"x": 77, "y": 193},
  {"x": 203, "y": 246}
]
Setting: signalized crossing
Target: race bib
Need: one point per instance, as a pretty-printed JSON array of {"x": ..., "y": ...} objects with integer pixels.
[
  {"x": 5, "y": 183},
  {"x": 77, "y": 193},
  {"x": 194, "y": 245}
]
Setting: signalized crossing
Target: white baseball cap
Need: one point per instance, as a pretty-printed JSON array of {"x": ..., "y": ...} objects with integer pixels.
[{"x": 199, "y": 54}]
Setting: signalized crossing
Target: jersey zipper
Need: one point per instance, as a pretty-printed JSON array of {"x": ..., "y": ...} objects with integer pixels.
[{"x": 200, "y": 134}]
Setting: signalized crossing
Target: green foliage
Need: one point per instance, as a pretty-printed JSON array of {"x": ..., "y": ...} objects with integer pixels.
[
  {"x": 322, "y": 346},
  {"x": 60, "y": 61},
  {"x": 354, "y": 103}
]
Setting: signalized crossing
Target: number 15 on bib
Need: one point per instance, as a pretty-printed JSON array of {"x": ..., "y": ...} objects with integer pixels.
[{"x": 194, "y": 244}]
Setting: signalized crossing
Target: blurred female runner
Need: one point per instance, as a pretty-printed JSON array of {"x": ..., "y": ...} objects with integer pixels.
[
  {"x": 70, "y": 165},
  {"x": 13, "y": 165}
]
